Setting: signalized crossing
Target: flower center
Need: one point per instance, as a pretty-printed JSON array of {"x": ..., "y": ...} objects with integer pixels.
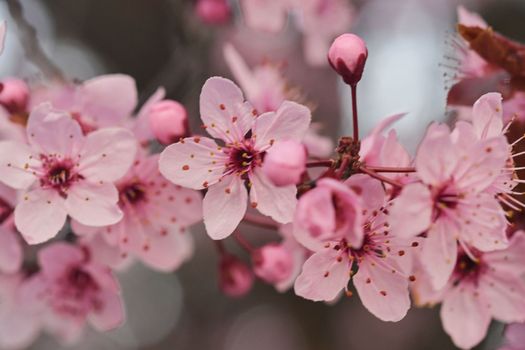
[
  {"x": 59, "y": 174},
  {"x": 467, "y": 269},
  {"x": 5, "y": 210},
  {"x": 132, "y": 193},
  {"x": 243, "y": 158}
]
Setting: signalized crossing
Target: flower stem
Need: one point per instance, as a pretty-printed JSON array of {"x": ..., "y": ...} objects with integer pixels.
[
  {"x": 320, "y": 163},
  {"x": 378, "y": 169},
  {"x": 380, "y": 177},
  {"x": 260, "y": 221},
  {"x": 243, "y": 242},
  {"x": 355, "y": 121}
]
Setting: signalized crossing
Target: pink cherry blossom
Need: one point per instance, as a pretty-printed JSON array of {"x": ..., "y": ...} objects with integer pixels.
[
  {"x": 65, "y": 173},
  {"x": 451, "y": 203},
  {"x": 235, "y": 277},
  {"x": 213, "y": 11},
  {"x": 298, "y": 253},
  {"x": 382, "y": 261},
  {"x": 168, "y": 120},
  {"x": 266, "y": 15},
  {"x": 285, "y": 162},
  {"x": 156, "y": 216},
  {"x": 199, "y": 162},
  {"x": 347, "y": 56},
  {"x": 514, "y": 337},
  {"x": 483, "y": 286},
  {"x": 14, "y": 95},
  {"x": 273, "y": 263},
  {"x": 71, "y": 289},
  {"x": 104, "y": 101},
  {"x": 19, "y": 322},
  {"x": 11, "y": 254}
]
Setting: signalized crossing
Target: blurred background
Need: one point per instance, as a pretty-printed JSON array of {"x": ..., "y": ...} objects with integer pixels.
[{"x": 163, "y": 43}]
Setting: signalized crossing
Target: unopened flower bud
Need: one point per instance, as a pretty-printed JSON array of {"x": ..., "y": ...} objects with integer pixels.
[
  {"x": 272, "y": 263},
  {"x": 235, "y": 277},
  {"x": 347, "y": 56},
  {"x": 14, "y": 95},
  {"x": 168, "y": 121},
  {"x": 285, "y": 162},
  {"x": 213, "y": 11}
]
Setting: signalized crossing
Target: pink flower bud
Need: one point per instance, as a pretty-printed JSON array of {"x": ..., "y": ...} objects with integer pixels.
[
  {"x": 213, "y": 11},
  {"x": 235, "y": 277},
  {"x": 347, "y": 56},
  {"x": 168, "y": 121},
  {"x": 272, "y": 263},
  {"x": 14, "y": 95},
  {"x": 285, "y": 162}
]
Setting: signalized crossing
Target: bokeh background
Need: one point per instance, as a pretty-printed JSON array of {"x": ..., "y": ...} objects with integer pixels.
[{"x": 162, "y": 42}]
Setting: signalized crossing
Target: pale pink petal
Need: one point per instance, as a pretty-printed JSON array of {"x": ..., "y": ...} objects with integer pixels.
[
  {"x": 223, "y": 110},
  {"x": 188, "y": 162},
  {"x": 481, "y": 165},
  {"x": 393, "y": 154},
  {"x": 465, "y": 317},
  {"x": 315, "y": 47},
  {"x": 111, "y": 313},
  {"x": 50, "y": 131},
  {"x": 168, "y": 252},
  {"x": 55, "y": 259},
  {"x": 483, "y": 223},
  {"x": 93, "y": 204},
  {"x": 515, "y": 335},
  {"x": 437, "y": 156},
  {"x": 11, "y": 254},
  {"x": 107, "y": 154},
  {"x": 108, "y": 99},
  {"x": 317, "y": 145},
  {"x": 141, "y": 124},
  {"x": 470, "y": 19},
  {"x": 510, "y": 261},
  {"x": 267, "y": 15},
  {"x": 323, "y": 277},
  {"x": 102, "y": 252},
  {"x": 487, "y": 115},
  {"x": 382, "y": 292},
  {"x": 83, "y": 230},
  {"x": 40, "y": 215},
  {"x": 370, "y": 190},
  {"x": 371, "y": 145},
  {"x": 241, "y": 72},
  {"x": 411, "y": 211},
  {"x": 224, "y": 206},
  {"x": 277, "y": 202},
  {"x": 13, "y": 159},
  {"x": 504, "y": 294},
  {"x": 290, "y": 121},
  {"x": 3, "y": 30},
  {"x": 439, "y": 252},
  {"x": 103, "y": 276}
]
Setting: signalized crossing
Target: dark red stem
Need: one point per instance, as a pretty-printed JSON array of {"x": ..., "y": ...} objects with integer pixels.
[{"x": 380, "y": 177}]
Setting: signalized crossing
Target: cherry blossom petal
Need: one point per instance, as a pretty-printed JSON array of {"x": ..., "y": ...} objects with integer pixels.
[
  {"x": 370, "y": 190},
  {"x": 487, "y": 115},
  {"x": 382, "y": 292},
  {"x": 515, "y": 335},
  {"x": 55, "y": 259},
  {"x": 277, "y": 202},
  {"x": 11, "y": 254},
  {"x": 510, "y": 261},
  {"x": 168, "y": 252},
  {"x": 323, "y": 276},
  {"x": 108, "y": 99},
  {"x": 141, "y": 126},
  {"x": 223, "y": 110},
  {"x": 465, "y": 317},
  {"x": 505, "y": 296},
  {"x": 265, "y": 15},
  {"x": 13, "y": 159},
  {"x": 439, "y": 252},
  {"x": 40, "y": 215},
  {"x": 188, "y": 163},
  {"x": 411, "y": 211},
  {"x": 242, "y": 73},
  {"x": 107, "y": 154},
  {"x": 110, "y": 315},
  {"x": 224, "y": 206},
  {"x": 50, "y": 131},
  {"x": 437, "y": 156},
  {"x": 483, "y": 223},
  {"x": 372, "y": 144},
  {"x": 93, "y": 204},
  {"x": 289, "y": 122}
]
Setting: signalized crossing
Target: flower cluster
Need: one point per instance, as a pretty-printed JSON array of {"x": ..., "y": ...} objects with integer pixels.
[{"x": 82, "y": 182}]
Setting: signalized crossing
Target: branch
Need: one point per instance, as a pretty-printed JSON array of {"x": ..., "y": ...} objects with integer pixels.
[
  {"x": 378, "y": 169},
  {"x": 380, "y": 177},
  {"x": 32, "y": 49}
]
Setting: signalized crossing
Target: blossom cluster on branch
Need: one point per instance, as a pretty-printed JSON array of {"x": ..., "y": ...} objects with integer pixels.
[{"x": 79, "y": 174}]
